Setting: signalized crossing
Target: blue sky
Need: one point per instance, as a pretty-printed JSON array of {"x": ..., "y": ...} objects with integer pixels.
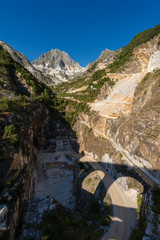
[{"x": 81, "y": 28}]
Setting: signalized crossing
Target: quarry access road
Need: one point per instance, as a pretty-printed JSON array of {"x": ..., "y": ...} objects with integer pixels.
[{"x": 124, "y": 204}]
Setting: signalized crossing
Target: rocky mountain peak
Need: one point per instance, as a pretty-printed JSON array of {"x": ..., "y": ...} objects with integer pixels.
[{"x": 58, "y": 63}]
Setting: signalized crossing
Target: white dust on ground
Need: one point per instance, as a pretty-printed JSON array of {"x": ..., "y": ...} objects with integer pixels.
[
  {"x": 119, "y": 102},
  {"x": 55, "y": 178}
]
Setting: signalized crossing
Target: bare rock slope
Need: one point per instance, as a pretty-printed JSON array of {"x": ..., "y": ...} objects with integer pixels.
[{"x": 145, "y": 58}]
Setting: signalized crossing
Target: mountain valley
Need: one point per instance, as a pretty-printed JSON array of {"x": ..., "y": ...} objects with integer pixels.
[{"x": 80, "y": 147}]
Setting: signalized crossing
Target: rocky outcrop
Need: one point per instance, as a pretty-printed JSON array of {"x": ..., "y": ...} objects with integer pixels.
[
  {"x": 107, "y": 56},
  {"x": 145, "y": 58}
]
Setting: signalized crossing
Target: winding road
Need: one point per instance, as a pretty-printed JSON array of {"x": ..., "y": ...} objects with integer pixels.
[{"x": 124, "y": 203}]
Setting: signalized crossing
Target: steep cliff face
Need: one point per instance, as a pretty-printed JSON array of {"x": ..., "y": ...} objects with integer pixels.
[
  {"x": 118, "y": 101},
  {"x": 19, "y": 173},
  {"x": 139, "y": 134},
  {"x": 128, "y": 146},
  {"x": 122, "y": 130},
  {"x": 145, "y": 57},
  {"x": 129, "y": 116},
  {"x": 39, "y": 129},
  {"x": 134, "y": 57}
]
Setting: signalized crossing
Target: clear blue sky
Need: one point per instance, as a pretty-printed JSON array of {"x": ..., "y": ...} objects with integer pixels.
[{"x": 82, "y": 28}]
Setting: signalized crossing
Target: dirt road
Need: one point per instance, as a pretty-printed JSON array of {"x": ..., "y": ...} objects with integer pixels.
[{"x": 124, "y": 205}]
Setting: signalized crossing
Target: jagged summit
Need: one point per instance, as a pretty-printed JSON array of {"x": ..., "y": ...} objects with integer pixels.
[{"x": 58, "y": 63}]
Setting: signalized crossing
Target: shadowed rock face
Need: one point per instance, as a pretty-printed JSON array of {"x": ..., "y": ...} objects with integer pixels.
[{"x": 58, "y": 63}]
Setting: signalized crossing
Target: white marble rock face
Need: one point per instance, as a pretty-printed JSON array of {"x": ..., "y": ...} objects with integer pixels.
[
  {"x": 154, "y": 62},
  {"x": 58, "y": 63}
]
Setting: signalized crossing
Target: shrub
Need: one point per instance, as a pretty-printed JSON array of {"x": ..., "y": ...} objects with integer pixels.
[
  {"x": 64, "y": 225},
  {"x": 139, "y": 231},
  {"x": 11, "y": 135},
  {"x": 14, "y": 139},
  {"x": 9, "y": 130},
  {"x": 156, "y": 200},
  {"x": 93, "y": 67},
  {"x": 4, "y": 106}
]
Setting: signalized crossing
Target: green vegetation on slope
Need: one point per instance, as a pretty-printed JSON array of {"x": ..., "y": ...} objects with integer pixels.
[
  {"x": 69, "y": 110},
  {"x": 79, "y": 82},
  {"x": 71, "y": 84},
  {"x": 8, "y": 79},
  {"x": 21, "y": 98},
  {"x": 11, "y": 135},
  {"x": 156, "y": 200},
  {"x": 9, "y": 139},
  {"x": 93, "y": 67},
  {"x": 63, "y": 224},
  {"x": 127, "y": 51},
  {"x": 93, "y": 89},
  {"x": 94, "y": 84},
  {"x": 139, "y": 231}
]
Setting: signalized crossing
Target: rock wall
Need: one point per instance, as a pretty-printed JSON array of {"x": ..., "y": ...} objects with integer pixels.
[
  {"x": 23, "y": 164},
  {"x": 95, "y": 145},
  {"x": 135, "y": 137},
  {"x": 139, "y": 132},
  {"x": 145, "y": 57}
]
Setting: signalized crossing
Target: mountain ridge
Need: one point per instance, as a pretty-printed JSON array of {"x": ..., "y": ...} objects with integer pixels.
[
  {"x": 111, "y": 117},
  {"x": 56, "y": 66}
]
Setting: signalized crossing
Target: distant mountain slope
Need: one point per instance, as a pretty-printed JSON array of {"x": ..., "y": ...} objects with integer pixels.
[
  {"x": 113, "y": 98},
  {"x": 107, "y": 57},
  {"x": 58, "y": 64},
  {"x": 20, "y": 58},
  {"x": 15, "y": 79}
]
